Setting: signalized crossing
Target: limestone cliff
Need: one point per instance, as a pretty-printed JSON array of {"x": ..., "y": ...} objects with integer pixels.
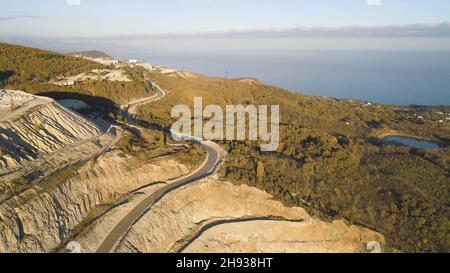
[
  {"x": 39, "y": 219},
  {"x": 31, "y": 126},
  {"x": 216, "y": 216},
  {"x": 57, "y": 168}
]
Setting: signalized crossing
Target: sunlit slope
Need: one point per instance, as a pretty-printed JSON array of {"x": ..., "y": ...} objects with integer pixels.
[{"x": 332, "y": 159}]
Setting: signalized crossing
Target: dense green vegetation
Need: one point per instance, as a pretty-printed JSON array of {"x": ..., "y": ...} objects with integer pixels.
[
  {"x": 391, "y": 190},
  {"x": 31, "y": 66},
  {"x": 30, "y": 70}
]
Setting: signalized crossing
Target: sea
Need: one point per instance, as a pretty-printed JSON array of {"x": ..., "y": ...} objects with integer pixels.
[{"x": 390, "y": 77}]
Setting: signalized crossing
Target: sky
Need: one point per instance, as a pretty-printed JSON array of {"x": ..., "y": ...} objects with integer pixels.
[
  {"x": 126, "y": 27},
  {"x": 97, "y": 18},
  {"x": 369, "y": 39}
]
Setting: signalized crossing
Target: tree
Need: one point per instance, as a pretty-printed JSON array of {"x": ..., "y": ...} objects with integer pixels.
[
  {"x": 162, "y": 140},
  {"x": 260, "y": 172},
  {"x": 12, "y": 105},
  {"x": 37, "y": 125}
]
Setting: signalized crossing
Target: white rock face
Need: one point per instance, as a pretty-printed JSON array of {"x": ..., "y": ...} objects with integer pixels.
[
  {"x": 39, "y": 132},
  {"x": 31, "y": 126},
  {"x": 39, "y": 221},
  {"x": 178, "y": 222}
]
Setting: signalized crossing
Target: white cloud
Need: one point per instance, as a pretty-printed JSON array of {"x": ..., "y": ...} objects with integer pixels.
[
  {"x": 73, "y": 2},
  {"x": 374, "y": 2}
]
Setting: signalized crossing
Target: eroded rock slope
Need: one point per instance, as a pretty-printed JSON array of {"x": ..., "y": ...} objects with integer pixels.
[
  {"x": 216, "y": 216},
  {"x": 31, "y": 126}
]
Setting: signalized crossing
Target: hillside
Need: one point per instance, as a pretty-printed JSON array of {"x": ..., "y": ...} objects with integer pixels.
[
  {"x": 22, "y": 65},
  {"x": 38, "y": 125},
  {"x": 59, "y": 171},
  {"x": 63, "y": 177},
  {"x": 332, "y": 159},
  {"x": 95, "y": 54},
  {"x": 38, "y": 136}
]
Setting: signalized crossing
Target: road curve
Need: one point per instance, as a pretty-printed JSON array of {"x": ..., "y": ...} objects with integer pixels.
[
  {"x": 132, "y": 106},
  {"x": 208, "y": 167},
  {"x": 126, "y": 223}
]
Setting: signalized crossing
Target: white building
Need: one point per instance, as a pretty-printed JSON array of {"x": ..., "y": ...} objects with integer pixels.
[
  {"x": 64, "y": 83},
  {"x": 133, "y": 61}
]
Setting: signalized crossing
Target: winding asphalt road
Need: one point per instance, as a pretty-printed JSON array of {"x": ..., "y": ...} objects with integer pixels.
[
  {"x": 122, "y": 228},
  {"x": 126, "y": 223},
  {"x": 132, "y": 106}
]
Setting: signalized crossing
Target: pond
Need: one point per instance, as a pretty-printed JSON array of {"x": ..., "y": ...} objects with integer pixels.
[{"x": 412, "y": 142}]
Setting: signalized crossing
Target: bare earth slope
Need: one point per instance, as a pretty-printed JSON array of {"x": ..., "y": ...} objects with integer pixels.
[
  {"x": 43, "y": 217},
  {"x": 80, "y": 172},
  {"x": 37, "y": 126}
]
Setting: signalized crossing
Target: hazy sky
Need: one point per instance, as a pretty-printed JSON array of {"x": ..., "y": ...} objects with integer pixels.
[
  {"x": 392, "y": 51},
  {"x": 125, "y": 27},
  {"x": 84, "y": 18}
]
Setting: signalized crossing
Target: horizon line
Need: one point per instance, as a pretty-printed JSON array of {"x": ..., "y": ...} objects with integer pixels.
[{"x": 392, "y": 30}]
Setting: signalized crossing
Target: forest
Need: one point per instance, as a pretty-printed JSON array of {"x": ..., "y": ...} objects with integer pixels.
[
  {"x": 332, "y": 160},
  {"x": 30, "y": 70}
]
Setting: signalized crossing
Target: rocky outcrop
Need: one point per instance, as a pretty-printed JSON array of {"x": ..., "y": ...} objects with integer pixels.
[
  {"x": 32, "y": 126},
  {"x": 216, "y": 216},
  {"x": 77, "y": 171},
  {"x": 265, "y": 236},
  {"x": 39, "y": 220}
]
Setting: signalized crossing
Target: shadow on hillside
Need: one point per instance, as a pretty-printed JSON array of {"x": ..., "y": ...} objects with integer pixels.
[
  {"x": 5, "y": 75},
  {"x": 102, "y": 111},
  {"x": 109, "y": 109},
  {"x": 100, "y": 104}
]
